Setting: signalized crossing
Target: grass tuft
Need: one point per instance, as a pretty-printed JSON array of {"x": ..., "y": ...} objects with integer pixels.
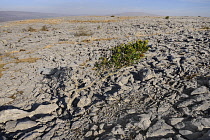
[
  {"x": 44, "y": 28},
  {"x": 82, "y": 31},
  {"x": 30, "y": 29}
]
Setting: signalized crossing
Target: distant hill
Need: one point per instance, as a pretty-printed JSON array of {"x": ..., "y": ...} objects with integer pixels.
[
  {"x": 135, "y": 14},
  {"x": 18, "y": 15}
]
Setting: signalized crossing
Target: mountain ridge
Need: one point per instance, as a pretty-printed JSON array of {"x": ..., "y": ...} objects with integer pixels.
[{"x": 134, "y": 14}]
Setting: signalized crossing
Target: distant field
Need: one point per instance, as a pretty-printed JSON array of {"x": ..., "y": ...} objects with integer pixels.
[{"x": 17, "y": 15}]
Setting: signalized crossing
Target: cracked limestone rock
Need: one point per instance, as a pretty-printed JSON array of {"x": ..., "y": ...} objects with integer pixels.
[{"x": 160, "y": 128}]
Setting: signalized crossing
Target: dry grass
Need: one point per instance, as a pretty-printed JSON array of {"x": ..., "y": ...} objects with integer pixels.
[
  {"x": 10, "y": 54},
  {"x": 45, "y": 21},
  {"x": 29, "y": 60},
  {"x": 58, "y": 21},
  {"x": 48, "y": 46},
  {"x": 44, "y": 28},
  {"x": 97, "y": 39},
  {"x": 190, "y": 77},
  {"x": 2, "y": 69},
  {"x": 66, "y": 42},
  {"x": 101, "y": 39},
  {"x": 91, "y": 21},
  {"x": 30, "y": 29},
  {"x": 117, "y": 19},
  {"x": 16, "y": 94},
  {"x": 205, "y": 28}
]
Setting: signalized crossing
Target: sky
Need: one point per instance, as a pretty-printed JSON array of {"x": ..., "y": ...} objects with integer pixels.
[{"x": 103, "y": 7}]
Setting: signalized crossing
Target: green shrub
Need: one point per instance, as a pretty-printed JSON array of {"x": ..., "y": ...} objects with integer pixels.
[
  {"x": 123, "y": 55},
  {"x": 167, "y": 17},
  {"x": 98, "y": 27},
  {"x": 112, "y": 16}
]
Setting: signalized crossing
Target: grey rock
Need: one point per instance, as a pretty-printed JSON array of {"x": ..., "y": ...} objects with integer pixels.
[
  {"x": 95, "y": 133},
  {"x": 160, "y": 129},
  {"x": 179, "y": 137},
  {"x": 166, "y": 139},
  {"x": 4, "y": 42},
  {"x": 144, "y": 121},
  {"x": 190, "y": 135},
  {"x": 31, "y": 136},
  {"x": 200, "y": 90},
  {"x": 5, "y": 100},
  {"x": 174, "y": 54},
  {"x": 180, "y": 125},
  {"x": 45, "y": 119},
  {"x": 94, "y": 127},
  {"x": 129, "y": 125},
  {"x": 10, "y": 125},
  {"x": 202, "y": 106},
  {"x": 139, "y": 137},
  {"x": 94, "y": 109},
  {"x": 185, "y": 132},
  {"x": 123, "y": 80},
  {"x": 201, "y": 123},
  {"x": 89, "y": 133},
  {"x": 174, "y": 121},
  {"x": 3, "y": 137},
  {"x": 84, "y": 101},
  {"x": 44, "y": 109},
  {"x": 12, "y": 114},
  {"x": 95, "y": 118},
  {"x": 131, "y": 111},
  {"x": 206, "y": 136},
  {"x": 49, "y": 134},
  {"x": 45, "y": 71},
  {"x": 5, "y": 115},
  {"x": 146, "y": 74},
  {"x": 185, "y": 103},
  {"x": 76, "y": 124},
  {"x": 118, "y": 130},
  {"x": 164, "y": 107},
  {"x": 24, "y": 124},
  {"x": 101, "y": 126}
]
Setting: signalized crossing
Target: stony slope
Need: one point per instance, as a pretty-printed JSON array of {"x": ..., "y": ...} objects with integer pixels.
[{"x": 49, "y": 89}]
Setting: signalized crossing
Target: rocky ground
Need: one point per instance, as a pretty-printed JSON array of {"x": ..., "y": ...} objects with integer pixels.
[{"x": 50, "y": 90}]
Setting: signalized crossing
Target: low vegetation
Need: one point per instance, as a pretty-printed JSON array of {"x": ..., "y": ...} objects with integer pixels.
[
  {"x": 44, "y": 28},
  {"x": 2, "y": 69},
  {"x": 83, "y": 32},
  {"x": 123, "y": 55},
  {"x": 167, "y": 17},
  {"x": 205, "y": 28},
  {"x": 31, "y": 29}
]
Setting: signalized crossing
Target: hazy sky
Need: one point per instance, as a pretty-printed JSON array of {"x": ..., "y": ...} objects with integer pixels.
[{"x": 94, "y": 7}]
